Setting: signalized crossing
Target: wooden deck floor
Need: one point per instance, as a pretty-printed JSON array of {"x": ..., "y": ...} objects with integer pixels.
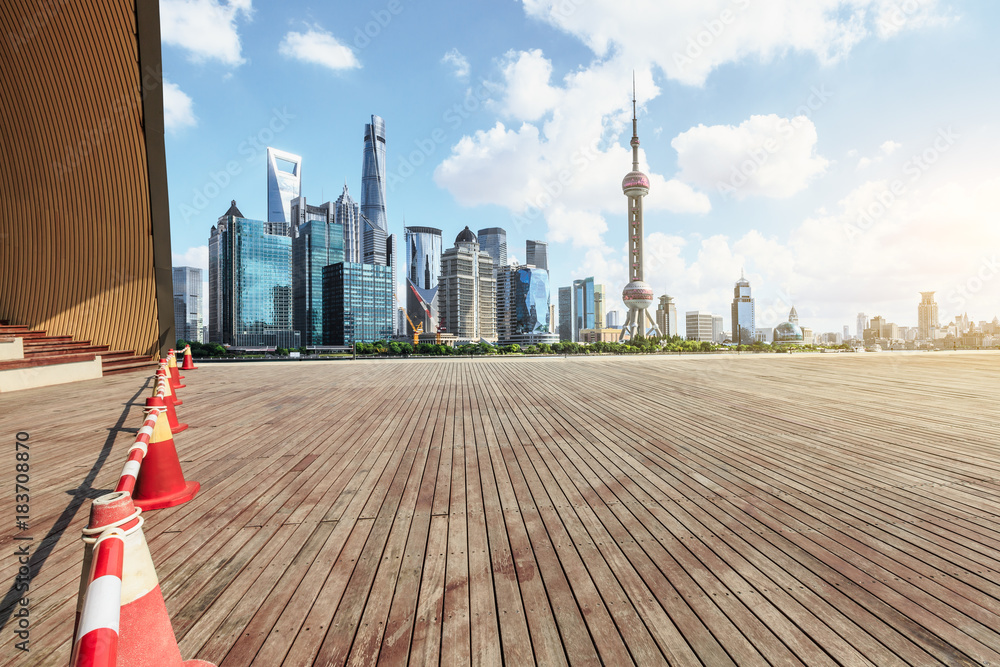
[{"x": 804, "y": 509}]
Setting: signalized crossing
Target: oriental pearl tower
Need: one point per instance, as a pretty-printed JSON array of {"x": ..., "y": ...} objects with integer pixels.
[{"x": 637, "y": 295}]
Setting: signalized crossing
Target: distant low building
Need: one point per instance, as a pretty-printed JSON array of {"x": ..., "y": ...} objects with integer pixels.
[{"x": 698, "y": 326}]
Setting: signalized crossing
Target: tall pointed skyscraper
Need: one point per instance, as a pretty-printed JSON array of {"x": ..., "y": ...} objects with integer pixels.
[
  {"x": 374, "y": 226},
  {"x": 637, "y": 295}
]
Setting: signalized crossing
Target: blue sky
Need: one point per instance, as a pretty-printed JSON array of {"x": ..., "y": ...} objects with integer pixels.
[{"x": 840, "y": 152}]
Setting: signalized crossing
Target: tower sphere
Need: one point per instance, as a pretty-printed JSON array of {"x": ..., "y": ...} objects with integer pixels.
[
  {"x": 635, "y": 184},
  {"x": 638, "y": 294}
]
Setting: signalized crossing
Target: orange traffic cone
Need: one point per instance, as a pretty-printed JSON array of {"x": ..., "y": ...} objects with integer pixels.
[
  {"x": 188, "y": 364},
  {"x": 155, "y": 401},
  {"x": 161, "y": 481},
  {"x": 171, "y": 397},
  {"x": 145, "y": 636},
  {"x": 175, "y": 375}
]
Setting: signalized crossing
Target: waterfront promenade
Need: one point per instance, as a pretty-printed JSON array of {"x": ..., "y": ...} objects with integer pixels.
[{"x": 753, "y": 510}]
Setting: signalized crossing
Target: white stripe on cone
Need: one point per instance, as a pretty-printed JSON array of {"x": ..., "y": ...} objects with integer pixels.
[{"x": 101, "y": 606}]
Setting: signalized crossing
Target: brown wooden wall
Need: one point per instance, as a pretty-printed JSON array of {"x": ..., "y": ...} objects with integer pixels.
[{"x": 81, "y": 245}]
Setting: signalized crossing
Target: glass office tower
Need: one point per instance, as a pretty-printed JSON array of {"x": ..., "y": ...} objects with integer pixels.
[
  {"x": 566, "y": 315},
  {"x": 493, "y": 241},
  {"x": 373, "y": 194},
  {"x": 423, "y": 267},
  {"x": 347, "y": 214},
  {"x": 187, "y": 303},
  {"x": 357, "y": 303},
  {"x": 536, "y": 253},
  {"x": 319, "y": 242},
  {"x": 250, "y": 276}
]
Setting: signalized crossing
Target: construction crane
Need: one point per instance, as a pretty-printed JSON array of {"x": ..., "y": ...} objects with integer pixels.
[{"x": 417, "y": 329}]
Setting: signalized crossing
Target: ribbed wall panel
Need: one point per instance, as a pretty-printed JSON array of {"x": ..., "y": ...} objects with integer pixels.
[{"x": 76, "y": 230}]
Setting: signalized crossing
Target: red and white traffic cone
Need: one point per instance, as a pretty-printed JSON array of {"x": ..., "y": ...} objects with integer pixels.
[
  {"x": 96, "y": 637},
  {"x": 161, "y": 481},
  {"x": 169, "y": 396},
  {"x": 188, "y": 364},
  {"x": 155, "y": 401},
  {"x": 145, "y": 636},
  {"x": 175, "y": 375}
]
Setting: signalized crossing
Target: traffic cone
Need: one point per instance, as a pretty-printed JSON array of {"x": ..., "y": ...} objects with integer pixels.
[
  {"x": 161, "y": 481},
  {"x": 155, "y": 401},
  {"x": 175, "y": 375},
  {"x": 145, "y": 636},
  {"x": 170, "y": 397},
  {"x": 188, "y": 364}
]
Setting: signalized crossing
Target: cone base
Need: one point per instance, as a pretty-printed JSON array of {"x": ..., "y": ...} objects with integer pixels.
[
  {"x": 192, "y": 367},
  {"x": 197, "y": 663},
  {"x": 189, "y": 491},
  {"x": 178, "y": 428},
  {"x": 179, "y": 386}
]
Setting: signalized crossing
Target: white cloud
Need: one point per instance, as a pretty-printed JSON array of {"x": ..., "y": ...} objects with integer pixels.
[
  {"x": 889, "y": 147},
  {"x": 886, "y": 149},
  {"x": 196, "y": 257},
  {"x": 767, "y": 156},
  {"x": 205, "y": 28},
  {"x": 529, "y": 95},
  {"x": 178, "y": 109},
  {"x": 459, "y": 62},
  {"x": 690, "y": 40},
  {"x": 561, "y": 161},
  {"x": 319, "y": 47}
]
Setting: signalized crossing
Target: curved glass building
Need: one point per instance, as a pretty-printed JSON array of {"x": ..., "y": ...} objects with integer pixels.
[
  {"x": 284, "y": 183},
  {"x": 523, "y": 299},
  {"x": 374, "y": 222},
  {"x": 789, "y": 333},
  {"x": 423, "y": 267}
]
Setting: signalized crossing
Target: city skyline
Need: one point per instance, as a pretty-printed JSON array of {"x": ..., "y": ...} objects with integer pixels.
[{"x": 879, "y": 184}]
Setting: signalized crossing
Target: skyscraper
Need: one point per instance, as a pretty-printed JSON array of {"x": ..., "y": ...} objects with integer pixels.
[
  {"x": 743, "y": 313},
  {"x": 493, "y": 241},
  {"x": 536, "y": 254},
  {"x": 467, "y": 290},
  {"x": 847, "y": 332},
  {"x": 523, "y": 306},
  {"x": 373, "y": 194},
  {"x": 250, "y": 283},
  {"x": 862, "y": 324},
  {"x": 717, "y": 329},
  {"x": 317, "y": 242},
  {"x": 187, "y": 303},
  {"x": 583, "y": 306},
  {"x": 566, "y": 315},
  {"x": 637, "y": 295},
  {"x": 666, "y": 317},
  {"x": 284, "y": 183},
  {"x": 347, "y": 214},
  {"x": 927, "y": 317},
  {"x": 357, "y": 303},
  {"x": 698, "y": 326},
  {"x": 423, "y": 268}
]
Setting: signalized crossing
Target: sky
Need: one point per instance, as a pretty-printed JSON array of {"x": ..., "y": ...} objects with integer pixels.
[{"x": 841, "y": 153}]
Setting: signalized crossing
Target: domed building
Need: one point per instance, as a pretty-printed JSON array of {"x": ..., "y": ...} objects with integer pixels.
[{"x": 789, "y": 333}]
